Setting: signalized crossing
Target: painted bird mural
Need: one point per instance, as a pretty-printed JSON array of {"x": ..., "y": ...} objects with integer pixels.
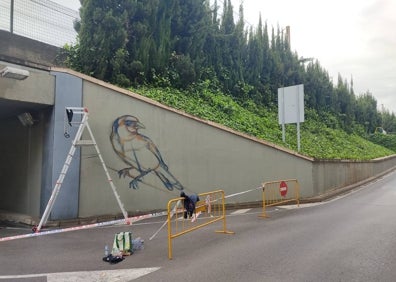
[{"x": 140, "y": 153}]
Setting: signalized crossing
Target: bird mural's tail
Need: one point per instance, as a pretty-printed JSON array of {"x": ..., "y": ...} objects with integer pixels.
[{"x": 168, "y": 179}]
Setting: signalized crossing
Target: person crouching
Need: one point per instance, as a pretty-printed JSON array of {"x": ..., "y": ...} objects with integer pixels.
[{"x": 189, "y": 203}]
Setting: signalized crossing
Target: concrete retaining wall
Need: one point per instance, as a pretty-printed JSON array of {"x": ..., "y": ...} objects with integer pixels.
[
  {"x": 332, "y": 174},
  {"x": 25, "y": 51},
  {"x": 203, "y": 156}
]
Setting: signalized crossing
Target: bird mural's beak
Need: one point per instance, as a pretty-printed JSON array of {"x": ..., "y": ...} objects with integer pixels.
[{"x": 140, "y": 125}]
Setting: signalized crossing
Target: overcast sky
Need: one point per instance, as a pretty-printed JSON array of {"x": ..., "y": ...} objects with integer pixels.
[{"x": 355, "y": 38}]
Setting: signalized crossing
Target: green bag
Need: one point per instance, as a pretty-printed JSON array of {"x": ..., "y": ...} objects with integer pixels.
[{"x": 123, "y": 243}]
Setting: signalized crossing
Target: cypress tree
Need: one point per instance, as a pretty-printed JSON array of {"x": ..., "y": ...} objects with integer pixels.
[{"x": 102, "y": 39}]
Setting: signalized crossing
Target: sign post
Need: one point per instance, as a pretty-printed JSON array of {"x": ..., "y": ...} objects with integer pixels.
[{"x": 291, "y": 108}]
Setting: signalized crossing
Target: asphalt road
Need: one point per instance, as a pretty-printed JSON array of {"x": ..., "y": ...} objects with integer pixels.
[{"x": 350, "y": 238}]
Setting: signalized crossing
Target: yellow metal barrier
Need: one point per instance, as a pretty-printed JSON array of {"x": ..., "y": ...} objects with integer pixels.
[
  {"x": 280, "y": 192},
  {"x": 210, "y": 209}
]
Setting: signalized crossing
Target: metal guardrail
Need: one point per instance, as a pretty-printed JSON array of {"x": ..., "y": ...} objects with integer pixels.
[
  {"x": 280, "y": 192},
  {"x": 210, "y": 209}
]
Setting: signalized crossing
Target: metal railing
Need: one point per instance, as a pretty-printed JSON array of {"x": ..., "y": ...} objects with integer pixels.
[
  {"x": 280, "y": 192},
  {"x": 41, "y": 20},
  {"x": 210, "y": 209}
]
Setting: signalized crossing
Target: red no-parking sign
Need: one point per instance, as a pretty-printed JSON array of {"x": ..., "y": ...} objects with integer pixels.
[{"x": 283, "y": 188}]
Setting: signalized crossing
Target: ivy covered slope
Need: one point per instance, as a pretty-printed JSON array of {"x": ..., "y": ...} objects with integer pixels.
[{"x": 320, "y": 139}]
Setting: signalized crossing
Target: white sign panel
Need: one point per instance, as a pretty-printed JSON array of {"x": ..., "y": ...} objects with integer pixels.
[{"x": 291, "y": 104}]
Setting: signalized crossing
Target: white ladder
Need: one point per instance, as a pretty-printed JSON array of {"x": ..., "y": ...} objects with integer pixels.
[{"x": 78, "y": 142}]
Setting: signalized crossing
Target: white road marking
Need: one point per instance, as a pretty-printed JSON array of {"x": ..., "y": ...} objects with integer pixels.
[
  {"x": 119, "y": 275},
  {"x": 290, "y": 207},
  {"x": 240, "y": 211}
]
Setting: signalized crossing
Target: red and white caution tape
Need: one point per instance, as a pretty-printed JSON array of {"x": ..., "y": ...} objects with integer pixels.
[
  {"x": 171, "y": 215},
  {"x": 86, "y": 226},
  {"x": 243, "y": 192}
]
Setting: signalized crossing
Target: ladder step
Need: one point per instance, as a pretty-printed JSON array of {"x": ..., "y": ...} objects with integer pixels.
[{"x": 85, "y": 142}]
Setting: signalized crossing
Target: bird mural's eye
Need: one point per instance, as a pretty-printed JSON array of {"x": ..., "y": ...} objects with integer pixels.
[{"x": 128, "y": 122}]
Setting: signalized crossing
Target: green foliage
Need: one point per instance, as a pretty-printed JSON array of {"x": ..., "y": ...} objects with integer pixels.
[
  {"x": 187, "y": 45},
  {"x": 102, "y": 39},
  {"x": 385, "y": 140},
  {"x": 181, "y": 71},
  {"x": 320, "y": 137},
  {"x": 69, "y": 56}
]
